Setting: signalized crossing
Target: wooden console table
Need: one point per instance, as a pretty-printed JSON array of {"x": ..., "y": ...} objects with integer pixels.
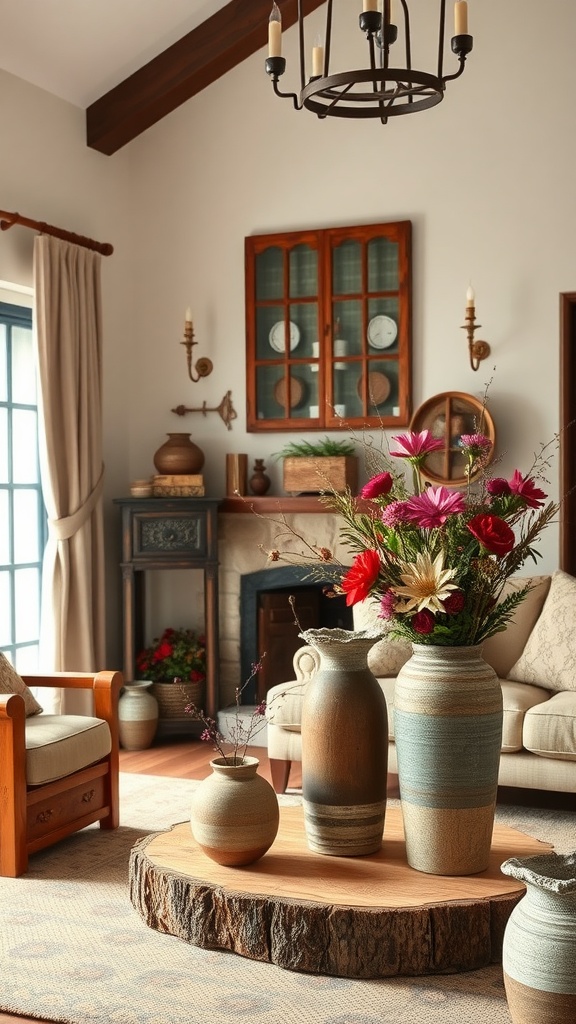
[
  {"x": 170, "y": 533},
  {"x": 357, "y": 917}
]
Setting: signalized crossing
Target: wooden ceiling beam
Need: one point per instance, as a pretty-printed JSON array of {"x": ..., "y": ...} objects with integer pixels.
[{"x": 216, "y": 46}]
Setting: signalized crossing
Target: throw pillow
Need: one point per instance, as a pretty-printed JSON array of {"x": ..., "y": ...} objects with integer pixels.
[
  {"x": 10, "y": 682},
  {"x": 549, "y": 656}
]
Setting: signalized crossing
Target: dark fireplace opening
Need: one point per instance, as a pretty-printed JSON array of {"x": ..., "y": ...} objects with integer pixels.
[{"x": 267, "y": 627}]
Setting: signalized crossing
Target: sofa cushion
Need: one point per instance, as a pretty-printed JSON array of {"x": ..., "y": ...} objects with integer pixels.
[
  {"x": 389, "y": 654},
  {"x": 550, "y": 728},
  {"x": 58, "y": 745},
  {"x": 549, "y": 656},
  {"x": 503, "y": 649},
  {"x": 10, "y": 682},
  {"x": 517, "y": 699}
]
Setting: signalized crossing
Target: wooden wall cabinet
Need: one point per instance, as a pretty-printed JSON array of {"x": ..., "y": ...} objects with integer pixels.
[{"x": 328, "y": 328}]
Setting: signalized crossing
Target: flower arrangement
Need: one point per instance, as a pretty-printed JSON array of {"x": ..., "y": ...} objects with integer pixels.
[
  {"x": 179, "y": 654},
  {"x": 437, "y": 559}
]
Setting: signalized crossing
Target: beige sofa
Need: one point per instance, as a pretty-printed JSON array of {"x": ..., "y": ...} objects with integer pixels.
[{"x": 535, "y": 659}]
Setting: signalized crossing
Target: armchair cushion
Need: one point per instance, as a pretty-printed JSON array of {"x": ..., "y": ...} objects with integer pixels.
[
  {"x": 10, "y": 682},
  {"x": 58, "y": 745}
]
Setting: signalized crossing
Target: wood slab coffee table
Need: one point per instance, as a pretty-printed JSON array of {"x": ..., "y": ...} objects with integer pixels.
[{"x": 351, "y": 917}]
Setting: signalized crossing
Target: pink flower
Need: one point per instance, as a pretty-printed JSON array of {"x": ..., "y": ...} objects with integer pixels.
[
  {"x": 417, "y": 445},
  {"x": 423, "y": 622},
  {"x": 498, "y": 487},
  {"x": 378, "y": 486},
  {"x": 526, "y": 489},
  {"x": 394, "y": 513},
  {"x": 477, "y": 443},
  {"x": 433, "y": 506},
  {"x": 387, "y": 605}
]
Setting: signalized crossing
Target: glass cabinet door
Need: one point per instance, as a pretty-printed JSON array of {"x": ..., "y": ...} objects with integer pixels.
[{"x": 328, "y": 328}]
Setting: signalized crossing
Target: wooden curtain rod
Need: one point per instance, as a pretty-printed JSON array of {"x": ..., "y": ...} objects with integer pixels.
[{"x": 7, "y": 220}]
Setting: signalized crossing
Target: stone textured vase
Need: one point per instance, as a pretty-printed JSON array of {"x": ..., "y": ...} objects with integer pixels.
[
  {"x": 344, "y": 746},
  {"x": 539, "y": 949},
  {"x": 179, "y": 455},
  {"x": 137, "y": 716},
  {"x": 448, "y": 733},
  {"x": 234, "y": 816}
]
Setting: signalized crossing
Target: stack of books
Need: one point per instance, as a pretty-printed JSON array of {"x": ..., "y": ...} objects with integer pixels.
[{"x": 178, "y": 485}]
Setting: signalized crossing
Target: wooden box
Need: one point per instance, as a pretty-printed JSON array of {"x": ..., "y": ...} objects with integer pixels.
[{"x": 309, "y": 475}]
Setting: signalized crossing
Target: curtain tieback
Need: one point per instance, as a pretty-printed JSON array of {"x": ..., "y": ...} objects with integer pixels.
[{"x": 67, "y": 526}]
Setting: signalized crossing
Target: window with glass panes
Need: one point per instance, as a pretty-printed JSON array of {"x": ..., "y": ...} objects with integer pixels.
[{"x": 22, "y": 515}]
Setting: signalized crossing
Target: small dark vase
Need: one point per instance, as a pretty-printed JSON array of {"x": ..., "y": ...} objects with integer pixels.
[
  {"x": 259, "y": 481},
  {"x": 179, "y": 455}
]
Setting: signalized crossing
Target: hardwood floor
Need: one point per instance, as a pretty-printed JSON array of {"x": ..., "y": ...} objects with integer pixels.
[{"x": 181, "y": 759}]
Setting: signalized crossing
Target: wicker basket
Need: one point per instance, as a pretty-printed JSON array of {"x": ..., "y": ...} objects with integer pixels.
[{"x": 174, "y": 697}]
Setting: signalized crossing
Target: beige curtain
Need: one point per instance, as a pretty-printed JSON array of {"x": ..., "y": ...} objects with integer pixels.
[{"x": 68, "y": 324}]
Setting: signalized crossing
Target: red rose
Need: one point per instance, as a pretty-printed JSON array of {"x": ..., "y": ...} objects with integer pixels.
[
  {"x": 498, "y": 487},
  {"x": 378, "y": 486},
  {"x": 360, "y": 579},
  {"x": 493, "y": 533},
  {"x": 454, "y": 603},
  {"x": 423, "y": 622}
]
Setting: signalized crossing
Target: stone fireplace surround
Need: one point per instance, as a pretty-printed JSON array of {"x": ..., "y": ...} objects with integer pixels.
[{"x": 243, "y": 540}]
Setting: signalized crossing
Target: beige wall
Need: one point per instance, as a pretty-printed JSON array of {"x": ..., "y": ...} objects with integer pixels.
[{"x": 487, "y": 179}]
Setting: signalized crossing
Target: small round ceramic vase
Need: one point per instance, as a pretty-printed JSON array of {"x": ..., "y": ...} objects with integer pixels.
[
  {"x": 137, "y": 715},
  {"x": 344, "y": 746},
  {"x": 179, "y": 455},
  {"x": 539, "y": 950},
  {"x": 234, "y": 816}
]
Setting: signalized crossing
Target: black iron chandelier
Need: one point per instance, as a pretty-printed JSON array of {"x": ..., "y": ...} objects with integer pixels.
[{"x": 379, "y": 90}]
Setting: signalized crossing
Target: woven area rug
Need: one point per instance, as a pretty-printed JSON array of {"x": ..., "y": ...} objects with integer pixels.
[{"x": 73, "y": 949}]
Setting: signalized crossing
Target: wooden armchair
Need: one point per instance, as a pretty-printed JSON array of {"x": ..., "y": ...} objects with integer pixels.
[{"x": 58, "y": 773}]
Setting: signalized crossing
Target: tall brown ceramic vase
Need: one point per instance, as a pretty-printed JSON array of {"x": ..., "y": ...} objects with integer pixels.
[{"x": 344, "y": 746}]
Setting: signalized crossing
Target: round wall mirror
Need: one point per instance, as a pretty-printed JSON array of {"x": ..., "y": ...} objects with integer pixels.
[{"x": 448, "y": 416}]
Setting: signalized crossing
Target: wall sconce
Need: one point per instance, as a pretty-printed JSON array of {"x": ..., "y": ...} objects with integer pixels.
[
  {"x": 204, "y": 366},
  {"x": 478, "y": 350}
]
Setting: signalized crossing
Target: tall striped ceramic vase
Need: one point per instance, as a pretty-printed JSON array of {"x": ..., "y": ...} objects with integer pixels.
[
  {"x": 344, "y": 746},
  {"x": 539, "y": 949},
  {"x": 448, "y": 733}
]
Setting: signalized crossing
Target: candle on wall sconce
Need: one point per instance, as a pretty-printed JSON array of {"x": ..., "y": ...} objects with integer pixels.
[
  {"x": 203, "y": 366},
  {"x": 477, "y": 350}
]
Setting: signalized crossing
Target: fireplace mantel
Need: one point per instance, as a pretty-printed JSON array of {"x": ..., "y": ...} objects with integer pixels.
[{"x": 274, "y": 503}]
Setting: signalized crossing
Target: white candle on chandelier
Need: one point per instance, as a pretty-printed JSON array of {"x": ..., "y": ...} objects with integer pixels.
[
  {"x": 460, "y": 18},
  {"x": 393, "y": 14},
  {"x": 369, "y": 5},
  {"x": 317, "y": 58},
  {"x": 470, "y": 297},
  {"x": 275, "y": 32},
  {"x": 188, "y": 315}
]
